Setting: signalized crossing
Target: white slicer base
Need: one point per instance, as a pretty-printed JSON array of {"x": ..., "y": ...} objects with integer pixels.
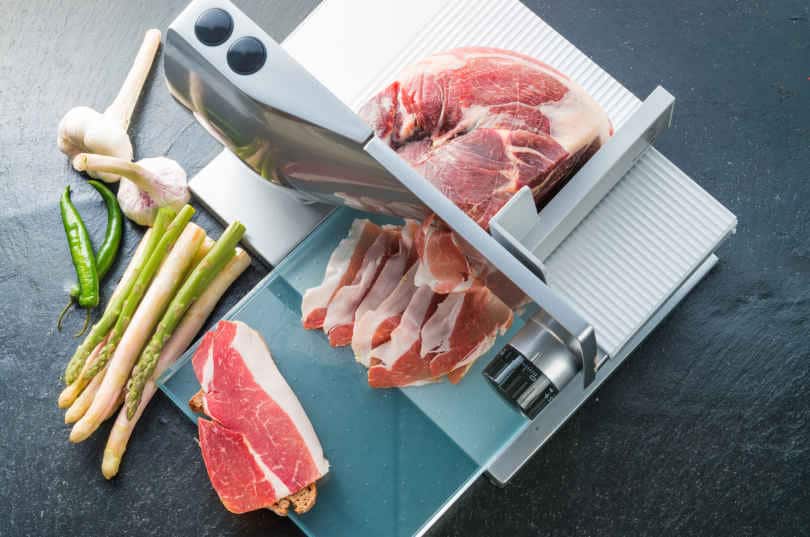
[{"x": 275, "y": 220}]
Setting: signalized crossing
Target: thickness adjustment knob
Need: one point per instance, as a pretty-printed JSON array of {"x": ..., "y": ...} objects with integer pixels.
[
  {"x": 246, "y": 56},
  {"x": 213, "y": 27}
]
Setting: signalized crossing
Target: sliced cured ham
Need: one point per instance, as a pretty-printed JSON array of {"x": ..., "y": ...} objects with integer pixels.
[
  {"x": 443, "y": 267},
  {"x": 374, "y": 327},
  {"x": 421, "y": 305},
  {"x": 259, "y": 445},
  {"x": 447, "y": 263},
  {"x": 338, "y": 324},
  {"x": 463, "y": 328},
  {"x": 399, "y": 362},
  {"x": 394, "y": 269},
  {"x": 341, "y": 270}
]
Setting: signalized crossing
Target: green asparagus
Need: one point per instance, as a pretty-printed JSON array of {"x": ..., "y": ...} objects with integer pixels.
[
  {"x": 113, "y": 309},
  {"x": 194, "y": 285},
  {"x": 139, "y": 288}
]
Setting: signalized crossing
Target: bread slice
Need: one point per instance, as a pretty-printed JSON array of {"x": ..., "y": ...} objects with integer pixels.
[
  {"x": 196, "y": 403},
  {"x": 301, "y": 501}
]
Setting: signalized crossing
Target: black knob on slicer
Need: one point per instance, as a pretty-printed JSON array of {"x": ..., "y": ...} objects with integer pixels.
[
  {"x": 247, "y": 55},
  {"x": 520, "y": 381},
  {"x": 213, "y": 27}
]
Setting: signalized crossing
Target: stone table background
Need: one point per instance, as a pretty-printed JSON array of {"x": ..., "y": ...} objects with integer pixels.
[{"x": 705, "y": 431}]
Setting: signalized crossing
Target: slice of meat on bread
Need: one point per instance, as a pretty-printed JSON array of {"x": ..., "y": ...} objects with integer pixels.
[{"x": 300, "y": 502}]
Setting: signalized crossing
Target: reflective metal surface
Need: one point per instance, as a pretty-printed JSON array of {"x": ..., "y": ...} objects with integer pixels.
[{"x": 279, "y": 120}]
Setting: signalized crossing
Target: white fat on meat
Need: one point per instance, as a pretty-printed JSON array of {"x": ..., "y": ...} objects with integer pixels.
[
  {"x": 570, "y": 120},
  {"x": 393, "y": 270},
  {"x": 408, "y": 330},
  {"x": 275, "y": 481},
  {"x": 340, "y": 312},
  {"x": 463, "y": 327},
  {"x": 343, "y": 264},
  {"x": 254, "y": 353},
  {"x": 437, "y": 330},
  {"x": 443, "y": 266},
  {"x": 368, "y": 324}
]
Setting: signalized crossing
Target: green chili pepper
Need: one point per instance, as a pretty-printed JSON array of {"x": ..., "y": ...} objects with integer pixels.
[
  {"x": 81, "y": 251},
  {"x": 108, "y": 250},
  {"x": 112, "y": 236}
]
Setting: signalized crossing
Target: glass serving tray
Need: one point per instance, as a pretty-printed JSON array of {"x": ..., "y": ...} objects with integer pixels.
[{"x": 399, "y": 457}]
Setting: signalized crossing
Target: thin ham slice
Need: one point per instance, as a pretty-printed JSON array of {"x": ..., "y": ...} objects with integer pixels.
[
  {"x": 463, "y": 328},
  {"x": 443, "y": 266},
  {"x": 338, "y": 324},
  {"x": 398, "y": 362},
  {"x": 341, "y": 270},
  {"x": 447, "y": 263},
  {"x": 374, "y": 327},
  {"x": 259, "y": 445},
  {"x": 395, "y": 267}
]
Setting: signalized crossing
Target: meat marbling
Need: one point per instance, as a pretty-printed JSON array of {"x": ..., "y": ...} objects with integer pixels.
[
  {"x": 259, "y": 445},
  {"x": 480, "y": 123}
]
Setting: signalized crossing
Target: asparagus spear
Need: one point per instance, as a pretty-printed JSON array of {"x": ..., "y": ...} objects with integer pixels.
[
  {"x": 192, "y": 288},
  {"x": 82, "y": 402},
  {"x": 139, "y": 287},
  {"x": 74, "y": 390},
  {"x": 102, "y": 327},
  {"x": 175, "y": 346},
  {"x": 202, "y": 251},
  {"x": 144, "y": 320}
]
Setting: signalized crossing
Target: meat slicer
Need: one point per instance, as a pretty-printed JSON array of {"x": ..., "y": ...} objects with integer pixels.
[{"x": 611, "y": 255}]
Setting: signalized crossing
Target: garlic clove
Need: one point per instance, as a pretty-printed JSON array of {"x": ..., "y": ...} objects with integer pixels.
[
  {"x": 136, "y": 204},
  {"x": 106, "y": 137},
  {"x": 145, "y": 186},
  {"x": 70, "y": 137},
  {"x": 83, "y": 129},
  {"x": 123, "y": 106}
]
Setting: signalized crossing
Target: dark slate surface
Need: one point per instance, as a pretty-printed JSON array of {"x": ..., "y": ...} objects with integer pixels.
[{"x": 704, "y": 432}]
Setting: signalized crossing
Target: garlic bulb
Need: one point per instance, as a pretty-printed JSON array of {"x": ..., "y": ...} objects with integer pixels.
[
  {"x": 146, "y": 185},
  {"x": 83, "y": 129}
]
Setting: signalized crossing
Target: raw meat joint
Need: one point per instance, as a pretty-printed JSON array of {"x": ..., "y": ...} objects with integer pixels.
[
  {"x": 480, "y": 123},
  {"x": 259, "y": 447}
]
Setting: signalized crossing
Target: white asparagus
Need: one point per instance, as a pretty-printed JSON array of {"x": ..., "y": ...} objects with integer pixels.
[
  {"x": 202, "y": 251},
  {"x": 114, "y": 408},
  {"x": 83, "y": 401},
  {"x": 73, "y": 391},
  {"x": 136, "y": 261},
  {"x": 177, "y": 344},
  {"x": 149, "y": 312}
]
